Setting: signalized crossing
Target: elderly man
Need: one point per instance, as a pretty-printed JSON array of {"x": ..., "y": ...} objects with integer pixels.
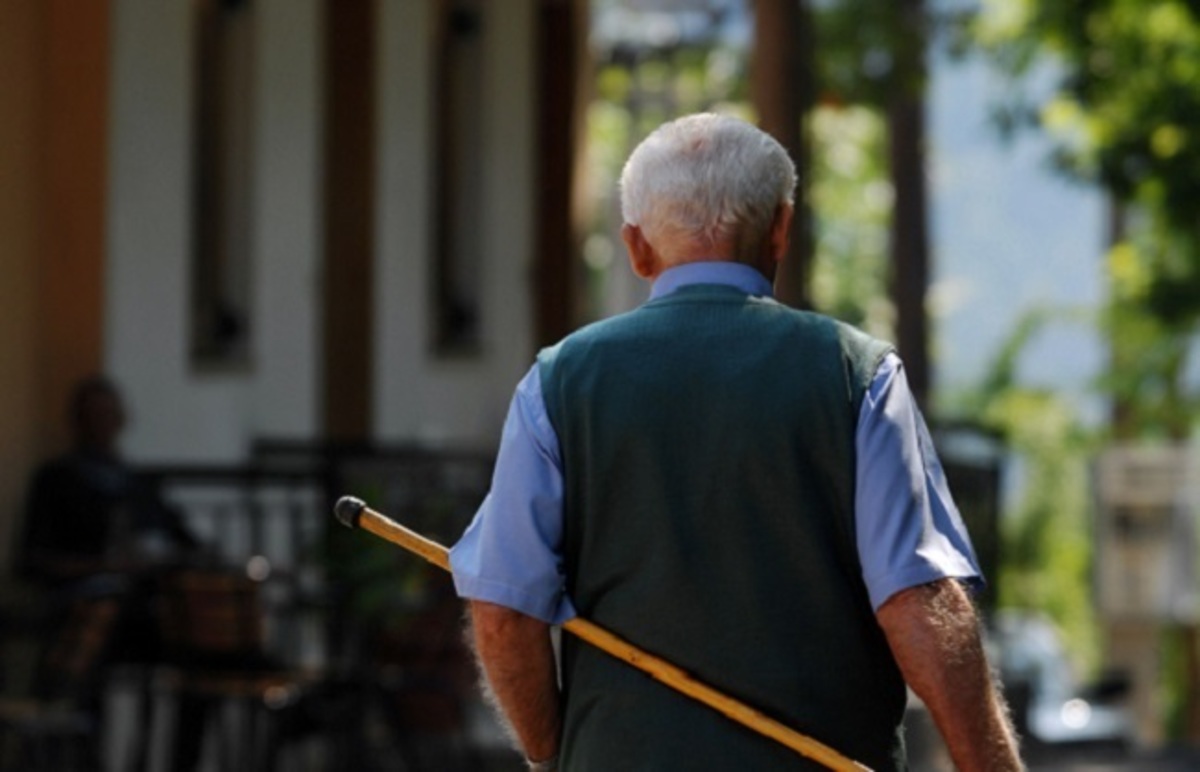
[{"x": 742, "y": 488}]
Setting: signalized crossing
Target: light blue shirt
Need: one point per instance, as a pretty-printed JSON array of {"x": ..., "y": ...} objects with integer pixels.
[{"x": 909, "y": 530}]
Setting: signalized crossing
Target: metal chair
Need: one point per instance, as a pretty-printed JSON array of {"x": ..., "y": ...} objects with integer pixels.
[
  {"x": 56, "y": 725},
  {"x": 213, "y": 626}
]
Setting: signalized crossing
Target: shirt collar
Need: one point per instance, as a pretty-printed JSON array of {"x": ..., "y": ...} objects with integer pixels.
[{"x": 738, "y": 275}]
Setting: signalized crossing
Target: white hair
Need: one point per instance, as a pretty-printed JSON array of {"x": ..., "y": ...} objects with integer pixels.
[{"x": 706, "y": 179}]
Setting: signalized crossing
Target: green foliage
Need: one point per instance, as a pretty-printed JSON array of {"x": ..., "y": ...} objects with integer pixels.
[
  {"x": 857, "y": 40},
  {"x": 384, "y": 584},
  {"x": 852, "y": 202},
  {"x": 1046, "y": 545},
  {"x": 862, "y": 47},
  {"x": 1124, "y": 114}
]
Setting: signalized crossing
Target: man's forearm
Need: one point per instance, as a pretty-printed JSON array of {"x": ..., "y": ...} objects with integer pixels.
[
  {"x": 934, "y": 634},
  {"x": 517, "y": 658}
]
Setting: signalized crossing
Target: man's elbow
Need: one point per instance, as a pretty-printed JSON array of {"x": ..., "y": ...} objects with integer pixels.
[
  {"x": 933, "y": 631},
  {"x": 493, "y": 622},
  {"x": 942, "y": 607}
]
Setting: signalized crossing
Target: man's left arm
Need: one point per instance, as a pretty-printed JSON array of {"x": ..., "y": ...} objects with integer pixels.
[
  {"x": 917, "y": 556},
  {"x": 517, "y": 657},
  {"x": 933, "y": 632}
]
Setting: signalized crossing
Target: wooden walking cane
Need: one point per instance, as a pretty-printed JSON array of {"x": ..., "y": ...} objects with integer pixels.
[{"x": 354, "y": 513}]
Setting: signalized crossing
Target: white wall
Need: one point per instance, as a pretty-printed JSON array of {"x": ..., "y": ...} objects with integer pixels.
[
  {"x": 287, "y": 235},
  {"x": 418, "y": 395},
  {"x": 180, "y": 415}
]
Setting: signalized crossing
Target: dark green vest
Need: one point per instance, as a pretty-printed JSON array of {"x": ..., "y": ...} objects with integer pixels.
[{"x": 708, "y": 449}]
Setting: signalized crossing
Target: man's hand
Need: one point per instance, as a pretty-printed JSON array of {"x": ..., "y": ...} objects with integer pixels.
[
  {"x": 518, "y": 660},
  {"x": 934, "y": 634}
]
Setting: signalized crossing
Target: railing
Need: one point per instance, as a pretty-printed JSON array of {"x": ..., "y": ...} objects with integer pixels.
[
  {"x": 272, "y": 518},
  {"x": 336, "y": 601}
]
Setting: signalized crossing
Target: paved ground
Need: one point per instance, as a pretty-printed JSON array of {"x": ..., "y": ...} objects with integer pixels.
[
  {"x": 927, "y": 753},
  {"x": 1175, "y": 760}
]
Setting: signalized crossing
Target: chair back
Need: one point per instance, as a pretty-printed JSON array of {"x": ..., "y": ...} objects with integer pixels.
[{"x": 212, "y": 619}]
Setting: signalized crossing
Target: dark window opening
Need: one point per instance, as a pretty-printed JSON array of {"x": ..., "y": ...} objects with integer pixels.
[
  {"x": 220, "y": 302},
  {"x": 458, "y": 137}
]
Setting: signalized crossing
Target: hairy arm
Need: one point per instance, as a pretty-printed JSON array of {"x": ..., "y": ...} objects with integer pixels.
[
  {"x": 934, "y": 635},
  {"x": 517, "y": 659}
]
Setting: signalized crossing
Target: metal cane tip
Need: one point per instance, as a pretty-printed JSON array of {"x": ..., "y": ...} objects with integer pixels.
[{"x": 348, "y": 510}]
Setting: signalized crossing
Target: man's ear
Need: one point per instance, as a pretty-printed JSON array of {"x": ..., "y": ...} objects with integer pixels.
[
  {"x": 781, "y": 227},
  {"x": 642, "y": 257}
]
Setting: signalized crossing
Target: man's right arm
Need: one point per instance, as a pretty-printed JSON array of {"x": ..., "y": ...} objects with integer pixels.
[
  {"x": 934, "y": 635},
  {"x": 517, "y": 658},
  {"x": 509, "y": 565}
]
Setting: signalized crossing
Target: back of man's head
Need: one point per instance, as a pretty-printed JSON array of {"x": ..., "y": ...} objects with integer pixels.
[{"x": 706, "y": 182}]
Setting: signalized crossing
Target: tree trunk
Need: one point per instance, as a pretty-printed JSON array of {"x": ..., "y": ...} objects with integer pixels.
[
  {"x": 783, "y": 89},
  {"x": 910, "y": 238}
]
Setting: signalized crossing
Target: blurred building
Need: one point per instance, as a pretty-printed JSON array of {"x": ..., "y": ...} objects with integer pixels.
[{"x": 291, "y": 219}]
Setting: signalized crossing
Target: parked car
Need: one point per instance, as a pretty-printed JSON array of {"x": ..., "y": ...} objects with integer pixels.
[{"x": 1050, "y": 706}]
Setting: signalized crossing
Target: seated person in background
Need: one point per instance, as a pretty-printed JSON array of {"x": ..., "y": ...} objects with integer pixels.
[
  {"x": 87, "y": 511},
  {"x": 97, "y": 536}
]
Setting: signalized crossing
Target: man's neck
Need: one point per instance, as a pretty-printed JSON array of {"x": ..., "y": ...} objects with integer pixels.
[{"x": 725, "y": 272}]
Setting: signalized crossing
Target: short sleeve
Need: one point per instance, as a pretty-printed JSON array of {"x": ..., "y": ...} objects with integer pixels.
[
  {"x": 511, "y": 553},
  {"x": 909, "y": 531}
]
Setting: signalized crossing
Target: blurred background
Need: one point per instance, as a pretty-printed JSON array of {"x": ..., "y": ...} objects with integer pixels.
[{"x": 313, "y": 244}]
